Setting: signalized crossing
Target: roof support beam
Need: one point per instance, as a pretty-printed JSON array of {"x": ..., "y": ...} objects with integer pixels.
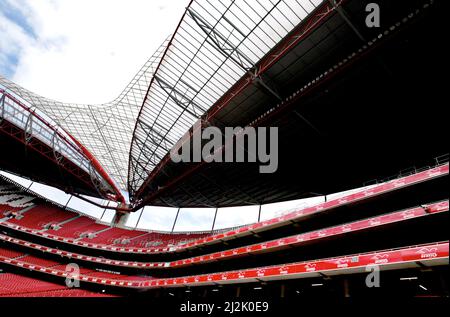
[
  {"x": 345, "y": 17},
  {"x": 176, "y": 218},
  {"x": 214, "y": 221},
  {"x": 267, "y": 88},
  {"x": 145, "y": 147},
  {"x": 221, "y": 42},
  {"x": 28, "y": 129},
  {"x": 180, "y": 98},
  {"x": 162, "y": 137},
  {"x": 2, "y": 105}
]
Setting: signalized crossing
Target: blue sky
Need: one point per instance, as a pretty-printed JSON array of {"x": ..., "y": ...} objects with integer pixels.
[
  {"x": 9, "y": 59},
  {"x": 13, "y": 13}
]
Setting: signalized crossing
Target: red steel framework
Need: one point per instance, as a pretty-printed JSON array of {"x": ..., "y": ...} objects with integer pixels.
[{"x": 50, "y": 153}]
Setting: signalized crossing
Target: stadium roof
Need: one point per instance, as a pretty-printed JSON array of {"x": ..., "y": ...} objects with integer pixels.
[
  {"x": 284, "y": 63},
  {"x": 214, "y": 45}
]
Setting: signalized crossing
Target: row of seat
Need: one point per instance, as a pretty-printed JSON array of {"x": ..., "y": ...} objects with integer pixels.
[
  {"x": 432, "y": 253},
  {"x": 54, "y": 221},
  {"x": 41, "y": 216},
  {"x": 429, "y": 254},
  {"x": 12, "y": 198},
  {"x": 83, "y": 231},
  {"x": 32, "y": 262},
  {"x": 272, "y": 245},
  {"x": 13, "y": 285}
]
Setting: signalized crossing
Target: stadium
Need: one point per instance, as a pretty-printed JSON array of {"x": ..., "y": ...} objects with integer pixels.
[{"x": 357, "y": 104}]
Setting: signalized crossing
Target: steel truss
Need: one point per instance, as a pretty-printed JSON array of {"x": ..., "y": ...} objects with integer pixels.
[{"x": 28, "y": 127}]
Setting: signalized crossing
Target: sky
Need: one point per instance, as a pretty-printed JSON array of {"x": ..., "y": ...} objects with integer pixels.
[
  {"x": 60, "y": 48},
  {"x": 86, "y": 51}
]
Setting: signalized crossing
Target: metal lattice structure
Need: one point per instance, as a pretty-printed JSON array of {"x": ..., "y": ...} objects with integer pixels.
[
  {"x": 33, "y": 128},
  {"x": 105, "y": 129},
  {"x": 215, "y": 44}
]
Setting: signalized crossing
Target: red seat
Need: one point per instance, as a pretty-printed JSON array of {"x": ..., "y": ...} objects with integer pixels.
[
  {"x": 41, "y": 215},
  {"x": 9, "y": 254},
  {"x": 73, "y": 228},
  {"x": 21, "y": 286}
]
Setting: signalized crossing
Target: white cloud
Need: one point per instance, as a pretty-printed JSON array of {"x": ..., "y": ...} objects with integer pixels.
[
  {"x": 236, "y": 216},
  {"x": 12, "y": 39},
  {"x": 192, "y": 219},
  {"x": 157, "y": 218},
  {"x": 86, "y": 51}
]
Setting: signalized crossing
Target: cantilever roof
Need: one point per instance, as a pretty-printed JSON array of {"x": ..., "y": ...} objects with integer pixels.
[{"x": 215, "y": 44}]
